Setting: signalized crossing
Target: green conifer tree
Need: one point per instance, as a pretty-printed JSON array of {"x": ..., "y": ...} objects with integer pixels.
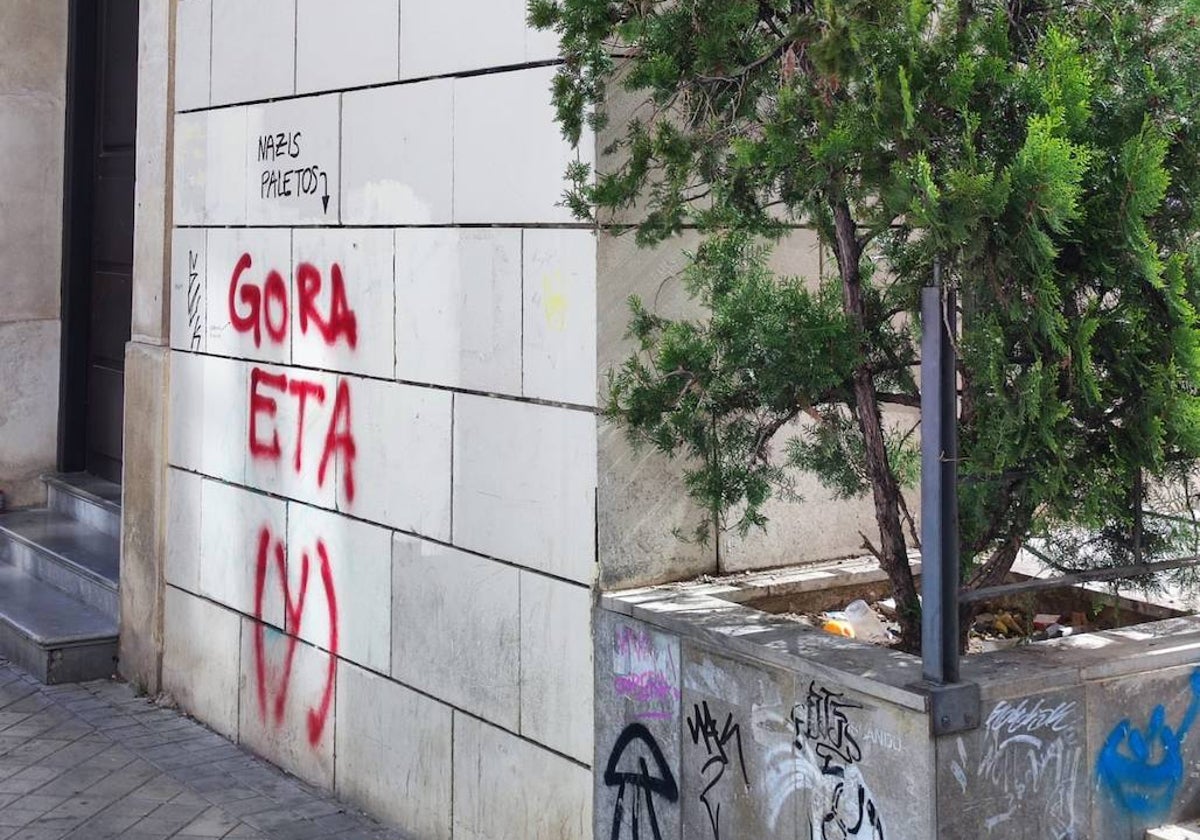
[{"x": 1046, "y": 152}]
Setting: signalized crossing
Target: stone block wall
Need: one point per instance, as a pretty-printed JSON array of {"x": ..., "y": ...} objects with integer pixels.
[
  {"x": 382, "y": 441},
  {"x": 33, "y": 78}
]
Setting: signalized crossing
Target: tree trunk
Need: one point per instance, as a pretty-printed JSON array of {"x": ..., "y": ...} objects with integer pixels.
[{"x": 893, "y": 555}]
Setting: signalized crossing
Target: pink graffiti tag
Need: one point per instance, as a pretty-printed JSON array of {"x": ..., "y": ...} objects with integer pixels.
[
  {"x": 650, "y": 688},
  {"x": 646, "y": 674}
]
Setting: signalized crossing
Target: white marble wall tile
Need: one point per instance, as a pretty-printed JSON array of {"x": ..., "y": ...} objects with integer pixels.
[
  {"x": 458, "y": 308},
  {"x": 559, "y": 335},
  {"x": 397, "y": 155},
  {"x": 358, "y": 560},
  {"x": 193, "y": 45},
  {"x": 341, "y": 45},
  {"x": 253, "y": 50},
  {"x": 456, "y": 628},
  {"x": 347, "y": 277},
  {"x": 509, "y": 155},
  {"x": 524, "y": 484},
  {"x": 293, "y": 161}
]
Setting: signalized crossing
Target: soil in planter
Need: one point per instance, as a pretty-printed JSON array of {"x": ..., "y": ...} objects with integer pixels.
[{"x": 1000, "y": 623}]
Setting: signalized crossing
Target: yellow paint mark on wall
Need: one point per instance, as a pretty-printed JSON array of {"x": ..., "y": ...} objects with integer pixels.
[{"x": 554, "y": 300}]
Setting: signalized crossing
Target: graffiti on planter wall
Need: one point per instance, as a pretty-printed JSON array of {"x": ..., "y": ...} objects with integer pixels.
[
  {"x": 273, "y": 683},
  {"x": 1142, "y": 768},
  {"x": 1029, "y": 767},
  {"x": 637, "y": 768},
  {"x": 720, "y": 742},
  {"x": 823, "y": 760},
  {"x": 827, "y": 728},
  {"x": 646, "y": 672}
]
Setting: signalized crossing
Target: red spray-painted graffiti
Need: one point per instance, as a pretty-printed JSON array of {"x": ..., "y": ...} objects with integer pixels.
[
  {"x": 272, "y": 699},
  {"x": 266, "y": 307},
  {"x": 342, "y": 321},
  {"x": 339, "y": 435}
]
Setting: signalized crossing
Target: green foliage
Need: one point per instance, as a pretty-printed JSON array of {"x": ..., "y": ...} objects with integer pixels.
[
  {"x": 1045, "y": 153},
  {"x": 720, "y": 388}
]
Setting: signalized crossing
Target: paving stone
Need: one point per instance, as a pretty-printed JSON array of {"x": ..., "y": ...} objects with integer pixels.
[
  {"x": 162, "y": 788},
  {"x": 39, "y": 749},
  {"x": 38, "y": 802},
  {"x": 74, "y": 781},
  {"x": 69, "y": 730},
  {"x": 131, "y": 777},
  {"x": 245, "y": 832},
  {"x": 11, "y": 767},
  {"x": 94, "y": 762},
  {"x": 335, "y": 823},
  {"x": 212, "y": 823},
  {"x": 75, "y": 755},
  {"x": 17, "y": 817},
  {"x": 249, "y": 807},
  {"x": 80, "y": 806},
  {"x": 59, "y": 825},
  {"x": 31, "y": 833},
  {"x": 21, "y": 783},
  {"x": 133, "y": 807},
  {"x": 106, "y": 824},
  {"x": 188, "y": 799},
  {"x": 111, "y": 758},
  {"x": 8, "y": 719}
]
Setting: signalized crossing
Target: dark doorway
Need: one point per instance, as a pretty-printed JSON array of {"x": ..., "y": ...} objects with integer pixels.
[{"x": 98, "y": 233}]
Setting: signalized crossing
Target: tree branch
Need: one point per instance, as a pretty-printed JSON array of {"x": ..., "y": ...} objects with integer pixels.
[
  {"x": 739, "y": 74},
  {"x": 899, "y": 399}
]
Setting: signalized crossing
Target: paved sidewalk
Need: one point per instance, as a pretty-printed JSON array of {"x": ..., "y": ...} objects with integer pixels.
[{"x": 92, "y": 761}]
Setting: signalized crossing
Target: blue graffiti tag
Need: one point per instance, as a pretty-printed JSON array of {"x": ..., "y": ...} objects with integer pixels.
[{"x": 1143, "y": 769}]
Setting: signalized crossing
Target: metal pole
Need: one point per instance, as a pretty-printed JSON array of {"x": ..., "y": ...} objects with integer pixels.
[{"x": 939, "y": 488}]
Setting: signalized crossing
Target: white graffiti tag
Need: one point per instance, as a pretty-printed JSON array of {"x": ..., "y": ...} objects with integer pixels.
[
  {"x": 1031, "y": 756},
  {"x": 822, "y": 760}
]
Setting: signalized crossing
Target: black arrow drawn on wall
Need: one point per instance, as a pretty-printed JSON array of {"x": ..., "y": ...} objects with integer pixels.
[{"x": 325, "y": 197}]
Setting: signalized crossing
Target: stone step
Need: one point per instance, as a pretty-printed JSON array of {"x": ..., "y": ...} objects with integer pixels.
[
  {"x": 72, "y": 556},
  {"x": 1191, "y": 831},
  {"x": 86, "y": 498},
  {"x": 55, "y": 637}
]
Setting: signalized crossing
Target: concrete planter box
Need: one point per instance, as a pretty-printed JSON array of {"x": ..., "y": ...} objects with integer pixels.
[{"x": 715, "y": 720}]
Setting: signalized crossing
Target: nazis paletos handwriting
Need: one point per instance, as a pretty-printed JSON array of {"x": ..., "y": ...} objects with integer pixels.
[
  {"x": 259, "y": 309},
  {"x": 281, "y": 182}
]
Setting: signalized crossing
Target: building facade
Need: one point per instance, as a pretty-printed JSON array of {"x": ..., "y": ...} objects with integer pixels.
[{"x": 367, "y": 502}]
